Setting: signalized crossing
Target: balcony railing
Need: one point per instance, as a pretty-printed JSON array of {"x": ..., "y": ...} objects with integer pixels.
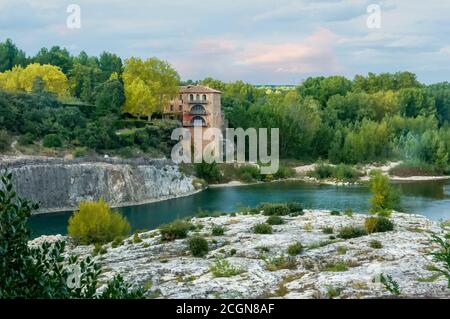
[{"x": 198, "y": 101}]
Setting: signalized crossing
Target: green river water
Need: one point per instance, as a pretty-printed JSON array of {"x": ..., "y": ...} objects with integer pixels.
[{"x": 430, "y": 198}]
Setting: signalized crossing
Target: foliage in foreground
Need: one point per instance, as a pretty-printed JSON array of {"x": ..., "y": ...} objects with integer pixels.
[
  {"x": 378, "y": 225},
  {"x": 95, "y": 222},
  {"x": 390, "y": 284},
  {"x": 442, "y": 256},
  {"x": 223, "y": 268},
  {"x": 43, "y": 271}
]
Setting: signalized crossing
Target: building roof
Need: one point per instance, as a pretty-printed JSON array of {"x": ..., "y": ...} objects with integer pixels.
[{"x": 197, "y": 89}]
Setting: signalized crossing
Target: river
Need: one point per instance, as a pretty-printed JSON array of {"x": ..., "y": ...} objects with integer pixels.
[{"x": 428, "y": 198}]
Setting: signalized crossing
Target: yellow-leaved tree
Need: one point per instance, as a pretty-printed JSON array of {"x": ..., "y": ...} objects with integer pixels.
[
  {"x": 149, "y": 85},
  {"x": 23, "y": 79}
]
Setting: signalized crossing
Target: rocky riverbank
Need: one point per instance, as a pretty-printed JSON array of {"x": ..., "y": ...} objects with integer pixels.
[
  {"x": 327, "y": 267},
  {"x": 59, "y": 184}
]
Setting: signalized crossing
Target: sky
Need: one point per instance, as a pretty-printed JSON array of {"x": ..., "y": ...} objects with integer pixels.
[{"x": 257, "y": 41}]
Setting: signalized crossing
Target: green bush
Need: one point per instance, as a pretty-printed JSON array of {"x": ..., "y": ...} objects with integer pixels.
[
  {"x": 335, "y": 213},
  {"x": 223, "y": 268},
  {"x": 4, "y": 141},
  {"x": 208, "y": 171},
  {"x": 295, "y": 249},
  {"x": 218, "y": 230},
  {"x": 339, "y": 266},
  {"x": 198, "y": 246},
  {"x": 80, "y": 152},
  {"x": 249, "y": 173},
  {"x": 328, "y": 230},
  {"x": 378, "y": 225},
  {"x": 262, "y": 229},
  {"x": 26, "y": 139},
  {"x": 275, "y": 220},
  {"x": 117, "y": 242},
  {"x": 99, "y": 249},
  {"x": 351, "y": 232},
  {"x": 95, "y": 222},
  {"x": 178, "y": 229},
  {"x": 281, "y": 262},
  {"x": 274, "y": 209},
  {"x": 375, "y": 244},
  {"x": 385, "y": 198},
  {"x": 295, "y": 207},
  {"x": 52, "y": 141},
  {"x": 136, "y": 238},
  {"x": 45, "y": 271}
]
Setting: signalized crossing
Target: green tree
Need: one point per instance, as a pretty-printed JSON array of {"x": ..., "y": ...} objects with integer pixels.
[
  {"x": 109, "y": 98},
  {"x": 384, "y": 197},
  {"x": 11, "y": 56},
  {"x": 43, "y": 271},
  {"x": 149, "y": 85}
]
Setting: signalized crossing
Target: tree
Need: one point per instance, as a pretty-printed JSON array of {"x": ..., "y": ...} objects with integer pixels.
[
  {"x": 384, "y": 197},
  {"x": 23, "y": 79},
  {"x": 109, "y": 63},
  {"x": 109, "y": 98},
  {"x": 11, "y": 56},
  {"x": 149, "y": 85},
  {"x": 44, "y": 271},
  {"x": 56, "y": 56}
]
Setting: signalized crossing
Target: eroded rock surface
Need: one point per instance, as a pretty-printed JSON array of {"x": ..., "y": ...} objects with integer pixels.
[{"x": 167, "y": 269}]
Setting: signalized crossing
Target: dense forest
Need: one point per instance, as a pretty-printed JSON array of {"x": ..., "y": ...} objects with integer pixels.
[{"x": 55, "y": 100}]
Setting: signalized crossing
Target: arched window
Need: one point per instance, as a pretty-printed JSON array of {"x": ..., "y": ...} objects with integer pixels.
[
  {"x": 197, "y": 97},
  {"x": 191, "y": 97},
  {"x": 204, "y": 97},
  {"x": 198, "y": 109},
  {"x": 198, "y": 121}
]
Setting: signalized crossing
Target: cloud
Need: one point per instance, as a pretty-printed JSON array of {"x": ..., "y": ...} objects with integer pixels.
[{"x": 313, "y": 54}]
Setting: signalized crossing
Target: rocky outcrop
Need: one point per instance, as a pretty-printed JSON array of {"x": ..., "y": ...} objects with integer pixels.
[
  {"x": 61, "y": 184},
  {"x": 327, "y": 267}
]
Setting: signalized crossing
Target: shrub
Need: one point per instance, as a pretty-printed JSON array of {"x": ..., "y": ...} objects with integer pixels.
[
  {"x": 275, "y": 220},
  {"x": 390, "y": 284},
  {"x": 4, "y": 141},
  {"x": 274, "y": 209},
  {"x": 198, "y": 246},
  {"x": 208, "y": 171},
  {"x": 352, "y": 232},
  {"x": 218, "y": 231},
  {"x": 375, "y": 244},
  {"x": 327, "y": 230},
  {"x": 26, "y": 139},
  {"x": 22, "y": 277},
  {"x": 80, "y": 152},
  {"x": 385, "y": 198},
  {"x": 136, "y": 238},
  {"x": 249, "y": 173},
  {"x": 442, "y": 256},
  {"x": 295, "y": 249},
  {"x": 178, "y": 229},
  {"x": 262, "y": 229},
  {"x": 281, "y": 262},
  {"x": 284, "y": 172},
  {"x": 295, "y": 207},
  {"x": 335, "y": 213},
  {"x": 223, "y": 268},
  {"x": 52, "y": 141},
  {"x": 348, "y": 212},
  {"x": 95, "y": 222},
  {"x": 378, "y": 225},
  {"x": 339, "y": 266},
  {"x": 99, "y": 250},
  {"x": 117, "y": 242}
]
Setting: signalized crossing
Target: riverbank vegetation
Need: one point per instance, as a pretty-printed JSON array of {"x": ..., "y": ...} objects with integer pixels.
[{"x": 54, "y": 102}]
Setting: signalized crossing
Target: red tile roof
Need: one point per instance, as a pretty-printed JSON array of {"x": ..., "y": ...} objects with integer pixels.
[{"x": 197, "y": 89}]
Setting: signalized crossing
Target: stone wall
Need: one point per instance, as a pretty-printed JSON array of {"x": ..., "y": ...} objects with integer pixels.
[{"x": 60, "y": 184}]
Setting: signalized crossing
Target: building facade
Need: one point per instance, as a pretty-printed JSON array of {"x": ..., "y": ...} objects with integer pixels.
[{"x": 196, "y": 106}]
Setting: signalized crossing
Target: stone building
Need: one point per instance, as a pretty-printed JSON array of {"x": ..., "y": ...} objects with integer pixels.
[{"x": 196, "y": 106}]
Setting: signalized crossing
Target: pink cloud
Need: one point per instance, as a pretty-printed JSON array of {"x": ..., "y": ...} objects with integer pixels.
[{"x": 312, "y": 54}]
